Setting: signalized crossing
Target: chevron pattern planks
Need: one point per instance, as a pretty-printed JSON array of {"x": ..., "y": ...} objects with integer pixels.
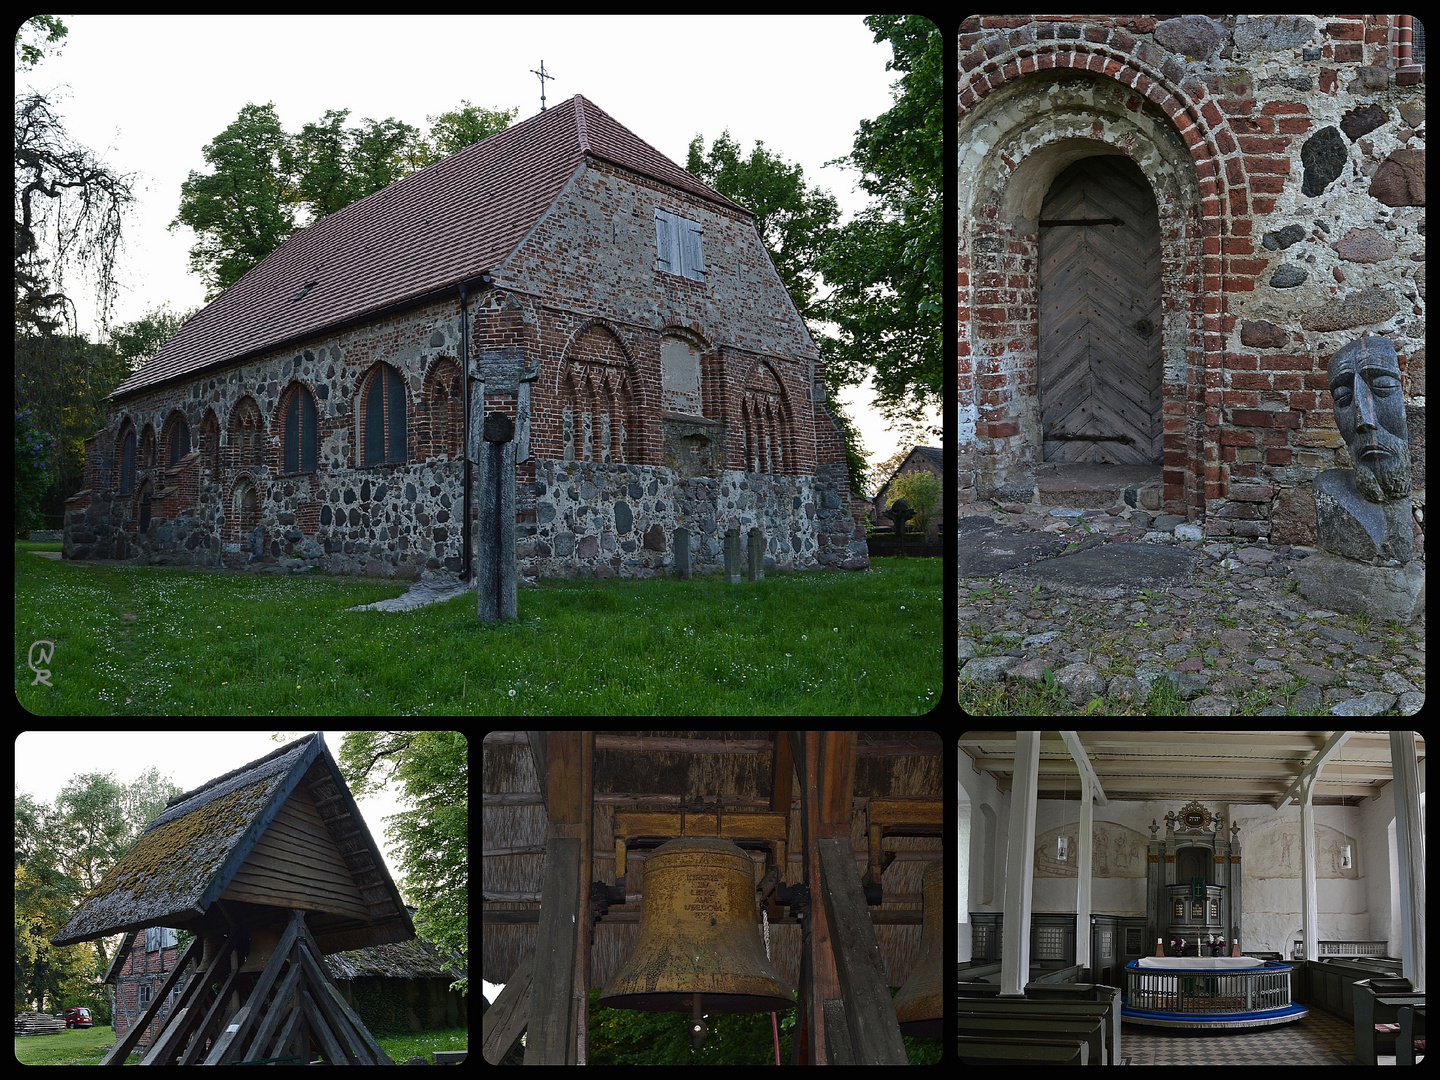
[{"x": 1100, "y": 372}]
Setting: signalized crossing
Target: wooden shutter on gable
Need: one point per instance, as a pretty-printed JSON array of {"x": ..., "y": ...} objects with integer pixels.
[
  {"x": 692, "y": 253},
  {"x": 666, "y": 247},
  {"x": 679, "y": 246}
]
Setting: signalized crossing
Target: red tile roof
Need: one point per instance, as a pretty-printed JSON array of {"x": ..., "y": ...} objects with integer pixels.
[{"x": 448, "y": 223}]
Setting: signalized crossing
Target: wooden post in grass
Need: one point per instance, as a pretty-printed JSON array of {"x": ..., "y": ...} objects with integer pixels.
[{"x": 495, "y": 538}]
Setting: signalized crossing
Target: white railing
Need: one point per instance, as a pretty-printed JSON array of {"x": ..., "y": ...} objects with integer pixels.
[
  {"x": 1351, "y": 948},
  {"x": 1209, "y": 992}
]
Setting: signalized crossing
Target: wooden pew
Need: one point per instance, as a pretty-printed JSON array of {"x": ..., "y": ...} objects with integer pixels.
[
  {"x": 1412, "y": 1030},
  {"x": 1379, "y": 1035},
  {"x": 989, "y": 1050},
  {"x": 978, "y": 990},
  {"x": 1020, "y": 1033},
  {"x": 1086, "y": 992},
  {"x": 1023, "y": 1019},
  {"x": 1377, "y": 1015}
]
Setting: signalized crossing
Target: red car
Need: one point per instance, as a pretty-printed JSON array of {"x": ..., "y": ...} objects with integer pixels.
[{"x": 76, "y": 1018}]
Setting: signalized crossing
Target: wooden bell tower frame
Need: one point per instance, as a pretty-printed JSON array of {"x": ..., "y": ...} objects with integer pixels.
[
  {"x": 226, "y": 1016},
  {"x": 845, "y": 1009}
]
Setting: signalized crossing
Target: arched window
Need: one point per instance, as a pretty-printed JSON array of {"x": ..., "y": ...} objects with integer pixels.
[
  {"x": 301, "y": 438},
  {"x": 127, "y": 463},
  {"x": 383, "y": 415}
]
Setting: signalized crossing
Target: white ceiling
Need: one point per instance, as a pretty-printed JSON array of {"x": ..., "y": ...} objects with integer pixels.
[{"x": 1225, "y": 766}]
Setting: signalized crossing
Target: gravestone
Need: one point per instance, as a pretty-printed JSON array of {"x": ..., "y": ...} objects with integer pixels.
[
  {"x": 756, "y": 553},
  {"x": 732, "y": 556},
  {"x": 682, "y": 553},
  {"x": 1363, "y": 516}
]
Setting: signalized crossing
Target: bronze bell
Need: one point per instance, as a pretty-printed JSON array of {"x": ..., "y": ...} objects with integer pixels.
[
  {"x": 919, "y": 1004},
  {"x": 698, "y": 936},
  {"x": 262, "y": 944}
]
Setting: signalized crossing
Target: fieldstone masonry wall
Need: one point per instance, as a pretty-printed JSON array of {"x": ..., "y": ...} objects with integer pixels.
[
  {"x": 1287, "y": 159},
  {"x": 614, "y": 450}
]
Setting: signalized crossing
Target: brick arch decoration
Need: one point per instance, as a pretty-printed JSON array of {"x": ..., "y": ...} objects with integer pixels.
[
  {"x": 246, "y": 493},
  {"x": 1204, "y": 257},
  {"x": 246, "y": 438},
  {"x": 596, "y": 387},
  {"x": 440, "y": 427},
  {"x": 767, "y": 422},
  {"x": 210, "y": 443}
]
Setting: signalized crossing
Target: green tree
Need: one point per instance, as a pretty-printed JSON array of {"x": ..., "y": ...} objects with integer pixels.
[
  {"x": 33, "y": 451},
  {"x": 432, "y": 837},
  {"x": 31, "y": 37},
  {"x": 795, "y": 223},
  {"x": 454, "y": 130},
  {"x": 921, "y": 491},
  {"x": 885, "y": 265},
  {"x": 61, "y": 852},
  {"x": 246, "y": 206},
  {"x": 243, "y": 209}
]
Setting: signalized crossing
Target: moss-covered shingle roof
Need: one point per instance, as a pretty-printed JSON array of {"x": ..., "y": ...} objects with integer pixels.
[{"x": 187, "y": 856}]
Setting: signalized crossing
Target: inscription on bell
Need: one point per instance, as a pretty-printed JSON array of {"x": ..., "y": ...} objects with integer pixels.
[{"x": 707, "y": 895}]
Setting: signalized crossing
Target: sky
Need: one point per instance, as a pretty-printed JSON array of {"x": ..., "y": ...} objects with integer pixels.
[
  {"x": 147, "y": 93},
  {"x": 45, "y": 761}
]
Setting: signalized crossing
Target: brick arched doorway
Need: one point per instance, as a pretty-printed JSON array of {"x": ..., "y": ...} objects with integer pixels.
[
  {"x": 1099, "y": 320},
  {"x": 1015, "y": 143}
]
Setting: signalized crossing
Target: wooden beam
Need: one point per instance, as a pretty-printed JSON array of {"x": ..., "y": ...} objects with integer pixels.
[
  {"x": 827, "y": 781},
  {"x": 1313, "y": 767},
  {"x": 551, "y": 1026},
  {"x": 132, "y": 1037},
  {"x": 1081, "y": 758},
  {"x": 874, "y": 1033}
]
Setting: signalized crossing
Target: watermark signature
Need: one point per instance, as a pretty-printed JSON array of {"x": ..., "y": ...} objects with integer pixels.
[{"x": 41, "y": 652}]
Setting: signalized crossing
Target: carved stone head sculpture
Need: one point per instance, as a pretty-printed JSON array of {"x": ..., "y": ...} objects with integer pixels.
[{"x": 1370, "y": 412}]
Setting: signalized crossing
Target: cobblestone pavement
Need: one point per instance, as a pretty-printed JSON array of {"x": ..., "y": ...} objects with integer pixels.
[{"x": 1235, "y": 639}]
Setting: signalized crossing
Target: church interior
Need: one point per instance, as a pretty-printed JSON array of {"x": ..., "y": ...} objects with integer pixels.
[{"x": 1191, "y": 897}]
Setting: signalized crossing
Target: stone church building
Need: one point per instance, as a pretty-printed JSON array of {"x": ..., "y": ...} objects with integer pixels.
[
  {"x": 1167, "y": 225},
  {"x": 563, "y": 272}
]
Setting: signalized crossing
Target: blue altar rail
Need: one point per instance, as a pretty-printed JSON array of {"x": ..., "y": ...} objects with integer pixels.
[{"x": 1205, "y": 998}]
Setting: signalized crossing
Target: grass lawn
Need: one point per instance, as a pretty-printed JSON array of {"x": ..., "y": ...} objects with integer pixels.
[
  {"x": 162, "y": 641},
  {"x": 86, "y": 1046}
]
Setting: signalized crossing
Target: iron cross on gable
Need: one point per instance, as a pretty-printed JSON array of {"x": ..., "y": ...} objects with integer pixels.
[{"x": 543, "y": 77}]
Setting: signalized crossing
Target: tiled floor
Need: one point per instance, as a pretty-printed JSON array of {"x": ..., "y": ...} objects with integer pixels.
[{"x": 1316, "y": 1039}]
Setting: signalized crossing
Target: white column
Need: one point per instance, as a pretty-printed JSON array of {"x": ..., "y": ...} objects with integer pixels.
[
  {"x": 1410, "y": 844},
  {"x": 1082, "y": 889},
  {"x": 1307, "y": 867},
  {"x": 1020, "y": 865}
]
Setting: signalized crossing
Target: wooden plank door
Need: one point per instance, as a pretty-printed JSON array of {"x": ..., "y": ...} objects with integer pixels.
[{"x": 1100, "y": 372}]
